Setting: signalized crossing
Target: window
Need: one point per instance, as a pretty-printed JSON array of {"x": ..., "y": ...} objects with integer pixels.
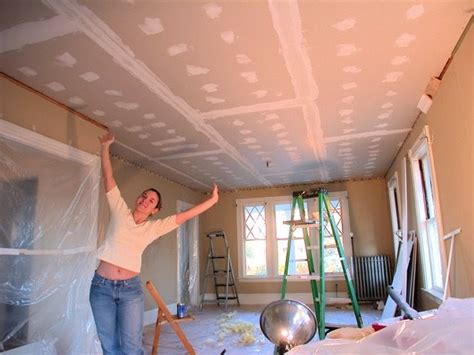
[
  {"x": 395, "y": 211},
  {"x": 427, "y": 214},
  {"x": 263, "y": 237}
]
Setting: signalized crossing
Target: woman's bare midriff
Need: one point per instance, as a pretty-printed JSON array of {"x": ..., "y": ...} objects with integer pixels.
[{"x": 114, "y": 272}]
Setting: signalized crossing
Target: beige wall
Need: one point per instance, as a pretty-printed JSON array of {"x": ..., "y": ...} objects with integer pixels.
[
  {"x": 369, "y": 218},
  {"x": 450, "y": 122},
  {"x": 29, "y": 110}
]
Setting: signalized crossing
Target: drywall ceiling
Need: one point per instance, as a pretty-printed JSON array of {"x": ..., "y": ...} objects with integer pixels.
[{"x": 246, "y": 94}]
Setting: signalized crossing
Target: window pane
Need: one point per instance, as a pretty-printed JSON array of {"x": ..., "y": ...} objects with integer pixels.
[
  {"x": 255, "y": 258},
  {"x": 282, "y": 214},
  {"x": 297, "y": 252},
  {"x": 435, "y": 255},
  {"x": 254, "y": 216},
  {"x": 331, "y": 260}
]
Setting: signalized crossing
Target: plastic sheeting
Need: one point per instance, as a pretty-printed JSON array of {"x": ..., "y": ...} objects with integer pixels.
[
  {"x": 48, "y": 236},
  {"x": 449, "y": 331}
]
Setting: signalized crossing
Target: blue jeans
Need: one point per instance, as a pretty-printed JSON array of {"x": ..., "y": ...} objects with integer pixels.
[{"x": 118, "y": 307}]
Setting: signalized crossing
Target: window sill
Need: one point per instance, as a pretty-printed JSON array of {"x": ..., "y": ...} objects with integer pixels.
[
  {"x": 433, "y": 295},
  {"x": 280, "y": 279}
]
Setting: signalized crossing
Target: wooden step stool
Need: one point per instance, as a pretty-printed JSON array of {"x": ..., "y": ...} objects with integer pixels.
[{"x": 164, "y": 316}]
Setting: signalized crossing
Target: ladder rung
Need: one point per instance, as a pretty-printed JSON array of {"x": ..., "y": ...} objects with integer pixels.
[
  {"x": 302, "y": 277},
  {"x": 218, "y": 257},
  {"x": 229, "y": 298},
  {"x": 312, "y": 247},
  {"x": 224, "y": 285}
]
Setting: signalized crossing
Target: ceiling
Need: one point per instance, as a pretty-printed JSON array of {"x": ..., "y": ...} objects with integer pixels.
[{"x": 244, "y": 94}]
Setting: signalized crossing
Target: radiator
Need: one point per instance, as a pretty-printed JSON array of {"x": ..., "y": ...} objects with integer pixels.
[{"x": 372, "y": 275}]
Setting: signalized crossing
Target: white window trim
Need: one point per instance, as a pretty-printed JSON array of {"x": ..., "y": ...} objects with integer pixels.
[
  {"x": 272, "y": 263},
  {"x": 393, "y": 185},
  {"x": 421, "y": 146}
]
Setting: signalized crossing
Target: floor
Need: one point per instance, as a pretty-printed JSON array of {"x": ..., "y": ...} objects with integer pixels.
[{"x": 237, "y": 331}]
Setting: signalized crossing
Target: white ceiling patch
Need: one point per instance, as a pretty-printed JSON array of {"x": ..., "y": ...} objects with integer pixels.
[
  {"x": 238, "y": 123},
  {"x": 211, "y": 158},
  {"x": 55, "y": 86},
  {"x": 254, "y": 146},
  {"x": 376, "y": 139},
  {"x": 282, "y": 134},
  {"x": 212, "y": 10},
  {"x": 399, "y": 60},
  {"x": 242, "y": 59},
  {"x": 348, "y": 99},
  {"x": 352, "y": 69},
  {"x": 284, "y": 142},
  {"x": 89, "y": 76},
  {"x": 175, "y": 140},
  {"x": 149, "y": 116},
  {"x": 144, "y": 135},
  {"x": 344, "y": 50},
  {"x": 75, "y": 100},
  {"x": 277, "y": 127},
  {"x": 134, "y": 129},
  {"x": 347, "y": 120},
  {"x": 405, "y": 40},
  {"x": 348, "y": 86},
  {"x": 152, "y": 26},
  {"x": 245, "y": 131},
  {"x": 193, "y": 70},
  {"x": 180, "y": 147},
  {"x": 116, "y": 123},
  {"x": 346, "y": 112},
  {"x": 178, "y": 49},
  {"x": 382, "y": 125},
  {"x": 385, "y": 115},
  {"x": 228, "y": 37},
  {"x": 27, "y": 71},
  {"x": 390, "y": 93},
  {"x": 366, "y": 135},
  {"x": 348, "y": 130},
  {"x": 260, "y": 93},
  {"x": 392, "y": 77},
  {"x": 415, "y": 11},
  {"x": 126, "y": 105},
  {"x": 66, "y": 60},
  {"x": 210, "y": 87},
  {"x": 171, "y": 131},
  {"x": 158, "y": 125},
  {"x": 249, "y": 140},
  {"x": 113, "y": 92},
  {"x": 345, "y": 24},
  {"x": 214, "y": 100},
  {"x": 387, "y": 105},
  {"x": 98, "y": 113},
  {"x": 250, "y": 76}
]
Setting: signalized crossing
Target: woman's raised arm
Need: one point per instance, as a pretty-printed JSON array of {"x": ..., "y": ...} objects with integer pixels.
[
  {"x": 198, "y": 209},
  {"x": 105, "y": 141}
]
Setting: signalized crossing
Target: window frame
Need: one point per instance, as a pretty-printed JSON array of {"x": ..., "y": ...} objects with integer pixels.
[
  {"x": 272, "y": 241},
  {"x": 421, "y": 152},
  {"x": 395, "y": 209}
]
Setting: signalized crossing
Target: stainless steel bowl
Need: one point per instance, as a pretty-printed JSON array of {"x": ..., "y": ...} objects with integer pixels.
[{"x": 288, "y": 323}]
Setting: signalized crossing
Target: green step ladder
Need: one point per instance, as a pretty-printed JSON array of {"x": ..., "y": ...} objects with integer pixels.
[{"x": 319, "y": 294}]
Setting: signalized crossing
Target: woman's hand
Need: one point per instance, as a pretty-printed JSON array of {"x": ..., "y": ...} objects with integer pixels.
[
  {"x": 107, "y": 139},
  {"x": 215, "y": 194}
]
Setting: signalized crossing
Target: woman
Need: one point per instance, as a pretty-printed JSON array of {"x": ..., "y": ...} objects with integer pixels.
[{"x": 116, "y": 294}]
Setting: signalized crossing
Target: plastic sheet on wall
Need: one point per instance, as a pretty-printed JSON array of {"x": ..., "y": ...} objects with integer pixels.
[{"x": 48, "y": 235}]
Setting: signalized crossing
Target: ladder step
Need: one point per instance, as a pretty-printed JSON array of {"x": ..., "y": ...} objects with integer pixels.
[
  {"x": 302, "y": 224},
  {"x": 312, "y": 247},
  {"x": 229, "y": 298},
  {"x": 218, "y": 257},
  {"x": 303, "y": 277},
  {"x": 224, "y": 285}
]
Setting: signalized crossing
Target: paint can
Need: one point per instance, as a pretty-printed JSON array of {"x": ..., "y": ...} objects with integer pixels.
[{"x": 180, "y": 310}]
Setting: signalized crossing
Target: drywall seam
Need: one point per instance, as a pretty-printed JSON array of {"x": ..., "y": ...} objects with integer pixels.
[
  {"x": 189, "y": 155},
  {"x": 261, "y": 107},
  {"x": 365, "y": 135},
  {"x": 104, "y": 37},
  {"x": 17, "y": 37},
  {"x": 287, "y": 24}
]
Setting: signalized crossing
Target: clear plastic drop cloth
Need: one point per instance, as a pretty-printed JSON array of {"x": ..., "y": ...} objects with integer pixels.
[{"x": 49, "y": 202}]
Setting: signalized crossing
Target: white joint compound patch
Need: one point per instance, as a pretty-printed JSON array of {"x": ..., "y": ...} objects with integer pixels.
[
  {"x": 158, "y": 125},
  {"x": 254, "y": 146},
  {"x": 98, "y": 113},
  {"x": 385, "y": 115},
  {"x": 277, "y": 127},
  {"x": 348, "y": 99},
  {"x": 345, "y": 112},
  {"x": 245, "y": 131},
  {"x": 228, "y": 37},
  {"x": 113, "y": 92},
  {"x": 249, "y": 140},
  {"x": 66, "y": 60},
  {"x": 212, "y": 10},
  {"x": 284, "y": 142},
  {"x": 392, "y": 77},
  {"x": 193, "y": 70},
  {"x": 214, "y": 100},
  {"x": 405, "y": 40},
  {"x": 399, "y": 60},
  {"x": 211, "y": 158},
  {"x": 210, "y": 87},
  {"x": 76, "y": 100},
  {"x": 250, "y": 76},
  {"x": 348, "y": 86},
  {"x": 180, "y": 147},
  {"x": 352, "y": 69},
  {"x": 55, "y": 86},
  {"x": 282, "y": 134},
  {"x": 390, "y": 93},
  {"x": 345, "y": 24},
  {"x": 89, "y": 76},
  {"x": 344, "y": 50},
  {"x": 415, "y": 11},
  {"x": 149, "y": 116},
  {"x": 347, "y": 120},
  {"x": 144, "y": 135},
  {"x": 27, "y": 71},
  {"x": 260, "y": 93},
  {"x": 134, "y": 129},
  {"x": 242, "y": 59},
  {"x": 348, "y": 130},
  {"x": 116, "y": 123},
  {"x": 382, "y": 125},
  {"x": 387, "y": 105},
  {"x": 152, "y": 26},
  {"x": 126, "y": 105},
  {"x": 238, "y": 123},
  {"x": 175, "y": 140},
  {"x": 179, "y": 48},
  {"x": 171, "y": 131},
  {"x": 376, "y": 139}
]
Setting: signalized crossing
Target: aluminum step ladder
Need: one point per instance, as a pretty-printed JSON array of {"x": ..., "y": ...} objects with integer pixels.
[
  {"x": 219, "y": 269},
  {"x": 318, "y": 293}
]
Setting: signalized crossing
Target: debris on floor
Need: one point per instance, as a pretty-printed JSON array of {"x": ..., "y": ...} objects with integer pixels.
[{"x": 228, "y": 325}]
